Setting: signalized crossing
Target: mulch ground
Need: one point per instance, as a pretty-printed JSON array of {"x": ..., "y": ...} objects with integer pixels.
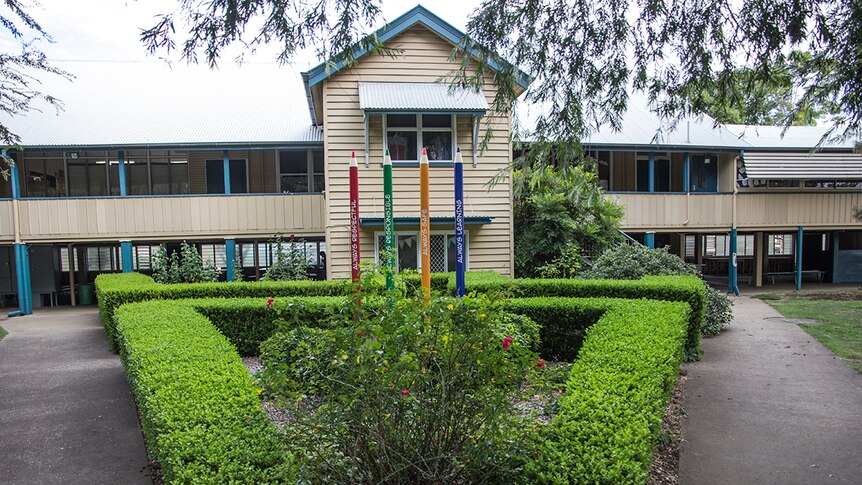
[{"x": 665, "y": 462}]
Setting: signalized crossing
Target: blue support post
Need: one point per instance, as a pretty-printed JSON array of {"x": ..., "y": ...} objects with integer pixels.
[
  {"x": 126, "y": 256},
  {"x": 230, "y": 257},
  {"x": 226, "y": 172},
  {"x": 651, "y": 172},
  {"x": 649, "y": 240},
  {"x": 732, "y": 281},
  {"x": 22, "y": 260},
  {"x": 686, "y": 172},
  {"x": 799, "y": 258},
  {"x": 121, "y": 158}
]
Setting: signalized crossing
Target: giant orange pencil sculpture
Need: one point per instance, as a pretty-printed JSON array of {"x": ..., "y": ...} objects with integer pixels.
[{"x": 425, "y": 225}]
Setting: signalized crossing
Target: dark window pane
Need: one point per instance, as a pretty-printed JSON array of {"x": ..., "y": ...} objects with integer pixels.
[
  {"x": 319, "y": 183},
  {"x": 436, "y": 121},
  {"x": 642, "y": 175},
  {"x": 114, "y": 173},
  {"x": 293, "y": 161},
  {"x": 439, "y": 144},
  {"x": 55, "y": 178},
  {"x": 662, "y": 175},
  {"x": 407, "y": 253},
  {"x": 179, "y": 177},
  {"x": 160, "y": 172},
  {"x": 402, "y": 145},
  {"x": 97, "y": 178},
  {"x": 294, "y": 183},
  {"x": 34, "y": 176},
  {"x": 317, "y": 155},
  {"x": 137, "y": 178},
  {"x": 401, "y": 121},
  {"x": 238, "y": 177},
  {"x": 77, "y": 178}
]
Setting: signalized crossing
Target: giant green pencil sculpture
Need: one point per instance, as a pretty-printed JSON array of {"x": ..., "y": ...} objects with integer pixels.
[{"x": 388, "y": 221}]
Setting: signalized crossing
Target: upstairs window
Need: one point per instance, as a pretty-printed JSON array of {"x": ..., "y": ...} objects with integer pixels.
[
  {"x": 301, "y": 171},
  {"x": 406, "y": 135}
]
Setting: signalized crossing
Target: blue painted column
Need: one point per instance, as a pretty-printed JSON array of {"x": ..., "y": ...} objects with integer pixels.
[
  {"x": 22, "y": 256},
  {"x": 226, "y": 172},
  {"x": 686, "y": 173},
  {"x": 649, "y": 240},
  {"x": 732, "y": 282},
  {"x": 230, "y": 257},
  {"x": 121, "y": 157},
  {"x": 126, "y": 256},
  {"x": 651, "y": 172},
  {"x": 799, "y": 258}
]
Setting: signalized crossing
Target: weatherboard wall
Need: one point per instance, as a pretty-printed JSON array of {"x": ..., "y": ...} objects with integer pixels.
[{"x": 423, "y": 57}]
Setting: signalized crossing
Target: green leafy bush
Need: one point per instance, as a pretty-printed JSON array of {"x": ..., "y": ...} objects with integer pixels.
[
  {"x": 567, "y": 265},
  {"x": 633, "y": 261},
  {"x": 188, "y": 267},
  {"x": 288, "y": 263},
  {"x": 200, "y": 412},
  {"x": 406, "y": 392},
  {"x": 609, "y": 420}
]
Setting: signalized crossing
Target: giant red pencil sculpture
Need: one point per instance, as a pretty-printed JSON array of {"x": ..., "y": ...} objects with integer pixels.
[
  {"x": 425, "y": 225},
  {"x": 354, "y": 217}
]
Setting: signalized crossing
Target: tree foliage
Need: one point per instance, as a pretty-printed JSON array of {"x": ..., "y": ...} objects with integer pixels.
[
  {"x": 288, "y": 261},
  {"x": 19, "y": 82},
  {"x": 556, "y": 209},
  {"x": 185, "y": 267}
]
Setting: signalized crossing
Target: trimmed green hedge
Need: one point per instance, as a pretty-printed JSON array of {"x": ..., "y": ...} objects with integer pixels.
[
  {"x": 610, "y": 417},
  {"x": 562, "y": 321},
  {"x": 113, "y": 290},
  {"x": 247, "y": 322},
  {"x": 687, "y": 289},
  {"x": 200, "y": 412}
]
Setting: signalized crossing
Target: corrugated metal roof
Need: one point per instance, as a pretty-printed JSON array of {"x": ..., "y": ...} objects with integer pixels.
[
  {"x": 407, "y": 97},
  {"x": 795, "y": 165},
  {"x": 795, "y": 138},
  {"x": 152, "y": 103}
]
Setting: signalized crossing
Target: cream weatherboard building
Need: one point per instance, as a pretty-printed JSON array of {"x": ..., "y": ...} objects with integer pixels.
[{"x": 146, "y": 155}]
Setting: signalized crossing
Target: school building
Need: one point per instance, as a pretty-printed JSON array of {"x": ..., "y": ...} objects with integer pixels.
[{"x": 144, "y": 156}]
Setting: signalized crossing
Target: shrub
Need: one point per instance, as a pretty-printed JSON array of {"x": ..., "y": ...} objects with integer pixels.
[
  {"x": 609, "y": 420},
  {"x": 186, "y": 268},
  {"x": 562, "y": 320},
  {"x": 200, "y": 413},
  {"x": 633, "y": 261},
  {"x": 688, "y": 289},
  {"x": 418, "y": 394},
  {"x": 567, "y": 265},
  {"x": 289, "y": 262}
]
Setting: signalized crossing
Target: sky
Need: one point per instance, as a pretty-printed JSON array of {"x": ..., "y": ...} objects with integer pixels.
[{"x": 108, "y": 30}]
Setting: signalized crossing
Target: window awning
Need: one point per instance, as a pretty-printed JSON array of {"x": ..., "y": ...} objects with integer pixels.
[
  {"x": 448, "y": 221},
  {"x": 782, "y": 165},
  {"x": 420, "y": 98}
]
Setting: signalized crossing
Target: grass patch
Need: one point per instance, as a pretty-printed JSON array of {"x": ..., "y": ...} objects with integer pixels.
[
  {"x": 840, "y": 329},
  {"x": 3, "y": 333}
]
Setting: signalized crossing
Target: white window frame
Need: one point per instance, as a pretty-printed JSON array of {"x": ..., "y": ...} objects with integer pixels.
[
  {"x": 419, "y": 129},
  {"x": 447, "y": 233}
]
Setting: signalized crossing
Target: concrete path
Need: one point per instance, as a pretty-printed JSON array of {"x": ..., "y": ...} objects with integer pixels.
[
  {"x": 66, "y": 412},
  {"x": 769, "y": 404}
]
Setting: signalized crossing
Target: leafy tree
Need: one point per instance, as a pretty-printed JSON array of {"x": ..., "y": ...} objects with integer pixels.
[
  {"x": 555, "y": 210},
  {"x": 19, "y": 85},
  {"x": 186, "y": 267},
  {"x": 586, "y": 56}
]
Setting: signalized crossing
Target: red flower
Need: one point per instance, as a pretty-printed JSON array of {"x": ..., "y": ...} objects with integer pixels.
[
  {"x": 405, "y": 392},
  {"x": 506, "y": 343},
  {"x": 361, "y": 333},
  {"x": 269, "y": 302},
  {"x": 540, "y": 363}
]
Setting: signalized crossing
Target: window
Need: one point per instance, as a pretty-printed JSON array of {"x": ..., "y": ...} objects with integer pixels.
[
  {"x": 142, "y": 256},
  {"x": 88, "y": 175},
  {"x": 103, "y": 258},
  {"x": 407, "y": 251},
  {"x": 43, "y": 175},
  {"x": 783, "y": 183},
  {"x": 780, "y": 244},
  {"x": 214, "y": 254},
  {"x": 407, "y": 134},
  {"x": 169, "y": 173},
  {"x": 301, "y": 170},
  {"x": 719, "y": 245},
  {"x": 662, "y": 172},
  {"x": 215, "y": 177}
]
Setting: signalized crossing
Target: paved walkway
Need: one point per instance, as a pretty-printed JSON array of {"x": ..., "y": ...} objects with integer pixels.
[
  {"x": 66, "y": 413},
  {"x": 769, "y": 404}
]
